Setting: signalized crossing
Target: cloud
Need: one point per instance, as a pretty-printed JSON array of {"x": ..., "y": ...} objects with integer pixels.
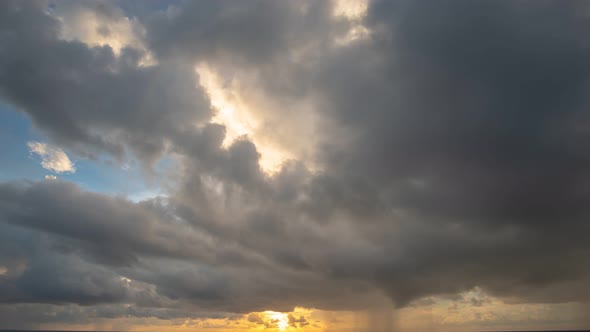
[
  {"x": 255, "y": 318},
  {"x": 98, "y": 24},
  {"x": 297, "y": 322},
  {"x": 173, "y": 262},
  {"x": 89, "y": 99},
  {"x": 52, "y": 158},
  {"x": 449, "y": 146}
]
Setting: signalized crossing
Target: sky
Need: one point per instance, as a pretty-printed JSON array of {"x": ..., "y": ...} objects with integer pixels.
[{"x": 261, "y": 165}]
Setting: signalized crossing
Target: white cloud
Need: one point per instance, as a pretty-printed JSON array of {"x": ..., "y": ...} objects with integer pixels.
[
  {"x": 50, "y": 177},
  {"x": 100, "y": 25},
  {"x": 52, "y": 158}
]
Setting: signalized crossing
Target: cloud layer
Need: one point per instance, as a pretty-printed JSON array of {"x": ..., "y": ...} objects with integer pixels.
[{"x": 448, "y": 151}]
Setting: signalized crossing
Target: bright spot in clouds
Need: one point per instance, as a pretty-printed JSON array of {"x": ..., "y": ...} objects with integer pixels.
[
  {"x": 233, "y": 113},
  {"x": 52, "y": 158},
  {"x": 280, "y": 319},
  {"x": 351, "y": 9},
  {"x": 354, "y": 11}
]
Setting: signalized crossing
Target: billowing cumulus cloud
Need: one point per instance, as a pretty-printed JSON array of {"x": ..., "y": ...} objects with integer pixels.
[
  {"x": 433, "y": 149},
  {"x": 52, "y": 158}
]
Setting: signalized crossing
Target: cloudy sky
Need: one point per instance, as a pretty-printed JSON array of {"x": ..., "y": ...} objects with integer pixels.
[{"x": 249, "y": 165}]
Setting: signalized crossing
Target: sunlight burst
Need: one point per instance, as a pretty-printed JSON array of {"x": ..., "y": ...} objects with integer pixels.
[{"x": 280, "y": 319}]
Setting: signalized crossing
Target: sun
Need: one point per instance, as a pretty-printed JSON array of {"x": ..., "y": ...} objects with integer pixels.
[{"x": 281, "y": 319}]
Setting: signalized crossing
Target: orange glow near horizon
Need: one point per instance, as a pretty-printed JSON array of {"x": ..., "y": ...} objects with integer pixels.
[
  {"x": 441, "y": 315},
  {"x": 280, "y": 319}
]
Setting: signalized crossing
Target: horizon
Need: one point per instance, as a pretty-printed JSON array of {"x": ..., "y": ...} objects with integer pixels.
[{"x": 140, "y": 331}]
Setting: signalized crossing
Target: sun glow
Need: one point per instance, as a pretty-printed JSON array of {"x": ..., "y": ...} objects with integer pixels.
[
  {"x": 233, "y": 113},
  {"x": 354, "y": 11},
  {"x": 351, "y": 9},
  {"x": 280, "y": 319}
]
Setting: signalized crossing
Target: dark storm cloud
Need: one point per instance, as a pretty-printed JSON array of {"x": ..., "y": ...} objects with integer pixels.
[
  {"x": 478, "y": 128},
  {"x": 470, "y": 128},
  {"x": 470, "y": 151},
  {"x": 491, "y": 108},
  {"x": 455, "y": 155}
]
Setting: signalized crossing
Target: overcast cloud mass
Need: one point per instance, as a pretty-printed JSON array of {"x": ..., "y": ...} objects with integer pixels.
[{"x": 336, "y": 156}]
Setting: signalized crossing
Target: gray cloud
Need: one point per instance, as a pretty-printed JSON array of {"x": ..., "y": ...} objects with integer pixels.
[
  {"x": 87, "y": 97},
  {"x": 453, "y": 155},
  {"x": 255, "y": 32},
  {"x": 297, "y": 322},
  {"x": 65, "y": 245}
]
